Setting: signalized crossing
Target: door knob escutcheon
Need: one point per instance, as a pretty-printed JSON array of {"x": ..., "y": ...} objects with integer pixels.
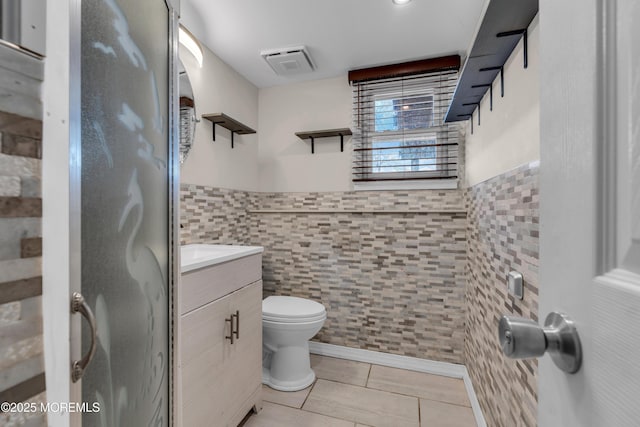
[{"x": 524, "y": 338}]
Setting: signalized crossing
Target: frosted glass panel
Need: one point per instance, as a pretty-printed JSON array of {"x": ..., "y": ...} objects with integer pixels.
[{"x": 125, "y": 209}]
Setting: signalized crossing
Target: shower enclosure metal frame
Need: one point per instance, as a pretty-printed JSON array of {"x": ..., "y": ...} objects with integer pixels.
[{"x": 61, "y": 193}]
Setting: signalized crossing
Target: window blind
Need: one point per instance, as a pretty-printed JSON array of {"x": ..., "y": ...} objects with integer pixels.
[{"x": 399, "y": 129}]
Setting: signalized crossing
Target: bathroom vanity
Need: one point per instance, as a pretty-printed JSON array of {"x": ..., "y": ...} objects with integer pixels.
[{"x": 220, "y": 334}]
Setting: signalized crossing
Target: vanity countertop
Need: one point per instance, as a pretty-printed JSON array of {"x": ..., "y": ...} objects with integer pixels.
[{"x": 193, "y": 257}]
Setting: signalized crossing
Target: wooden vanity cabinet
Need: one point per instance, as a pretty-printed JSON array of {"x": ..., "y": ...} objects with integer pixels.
[{"x": 221, "y": 381}]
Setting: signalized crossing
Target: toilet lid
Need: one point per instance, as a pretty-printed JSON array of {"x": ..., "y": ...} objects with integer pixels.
[{"x": 281, "y": 308}]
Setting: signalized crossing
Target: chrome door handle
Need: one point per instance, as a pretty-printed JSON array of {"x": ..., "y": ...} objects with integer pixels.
[
  {"x": 79, "y": 305},
  {"x": 524, "y": 338}
]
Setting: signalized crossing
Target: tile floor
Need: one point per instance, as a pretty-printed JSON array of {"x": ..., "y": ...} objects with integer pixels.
[{"x": 356, "y": 394}]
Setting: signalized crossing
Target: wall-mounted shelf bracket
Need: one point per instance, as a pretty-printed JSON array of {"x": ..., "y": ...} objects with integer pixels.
[
  {"x": 501, "y": 68},
  {"x": 227, "y": 122},
  {"x": 490, "y": 97},
  {"x": 324, "y": 134},
  {"x": 477, "y": 104},
  {"x": 525, "y": 49}
]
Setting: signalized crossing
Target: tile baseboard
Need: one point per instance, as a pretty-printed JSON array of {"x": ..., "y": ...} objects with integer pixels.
[
  {"x": 386, "y": 359},
  {"x": 473, "y": 398},
  {"x": 404, "y": 362}
]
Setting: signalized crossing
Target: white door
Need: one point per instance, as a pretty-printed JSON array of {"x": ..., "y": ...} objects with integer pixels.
[{"x": 590, "y": 207}]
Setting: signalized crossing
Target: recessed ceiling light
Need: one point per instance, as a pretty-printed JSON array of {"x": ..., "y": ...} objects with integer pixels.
[{"x": 399, "y": 2}]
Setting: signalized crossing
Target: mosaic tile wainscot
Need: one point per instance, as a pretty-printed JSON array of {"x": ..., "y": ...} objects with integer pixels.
[
  {"x": 389, "y": 266},
  {"x": 503, "y": 228}
]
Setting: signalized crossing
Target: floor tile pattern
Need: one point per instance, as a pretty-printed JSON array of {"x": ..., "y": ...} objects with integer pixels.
[
  {"x": 433, "y": 387},
  {"x": 334, "y": 400}
]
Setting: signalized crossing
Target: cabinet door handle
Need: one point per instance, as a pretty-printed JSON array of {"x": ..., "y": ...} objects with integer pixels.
[
  {"x": 237, "y": 330},
  {"x": 231, "y": 333}
]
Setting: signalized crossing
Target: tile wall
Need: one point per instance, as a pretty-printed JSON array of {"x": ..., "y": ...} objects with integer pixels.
[
  {"x": 389, "y": 266},
  {"x": 214, "y": 215},
  {"x": 502, "y": 230},
  {"x": 396, "y": 269}
]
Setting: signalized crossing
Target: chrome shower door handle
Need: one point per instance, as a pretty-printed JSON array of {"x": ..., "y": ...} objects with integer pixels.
[
  {"x": 79, "y": 305},
  {"x": 524, "y": 339}
]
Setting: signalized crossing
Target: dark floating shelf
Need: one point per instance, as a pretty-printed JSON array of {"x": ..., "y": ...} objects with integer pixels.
[
  {"x": 228, "y": 123},
  {"x": 327, "y": 133},
  {"x": 504, "y": 22}
]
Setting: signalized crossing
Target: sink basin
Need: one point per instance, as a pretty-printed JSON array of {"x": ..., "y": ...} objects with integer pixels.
[{"x": 197, "y": 256}]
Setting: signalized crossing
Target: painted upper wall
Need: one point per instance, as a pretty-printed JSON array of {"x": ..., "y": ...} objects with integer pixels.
[
  {"x": 285, "y": 161},
  {"x": 218, "y": 88},
  {"x": 508, "y": 136},
  {"x": 276, "y": 160}
]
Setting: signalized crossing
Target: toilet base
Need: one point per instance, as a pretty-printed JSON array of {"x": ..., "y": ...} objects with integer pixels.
[
  {"x": 288, "y": 368},
  {"x": 287, "y": 385}
]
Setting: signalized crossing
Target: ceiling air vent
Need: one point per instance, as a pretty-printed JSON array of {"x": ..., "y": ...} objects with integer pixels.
[{"x": 289, "y": 61}]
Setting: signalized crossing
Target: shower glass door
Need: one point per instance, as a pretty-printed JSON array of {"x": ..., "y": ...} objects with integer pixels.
[{"x": 126, "y": 178}]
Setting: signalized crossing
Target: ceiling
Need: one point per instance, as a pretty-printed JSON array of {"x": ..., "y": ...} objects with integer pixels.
[{"x": 339, "y": 34}]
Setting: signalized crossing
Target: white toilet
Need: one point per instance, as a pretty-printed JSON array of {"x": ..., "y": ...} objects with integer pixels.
[{"x": 288, "y": 323}]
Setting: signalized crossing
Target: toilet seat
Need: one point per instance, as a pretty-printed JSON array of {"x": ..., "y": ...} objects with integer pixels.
[{"x": 285, "y": 309}]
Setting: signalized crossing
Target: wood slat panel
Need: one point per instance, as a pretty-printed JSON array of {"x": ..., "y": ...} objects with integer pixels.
[
  {"x": 31, "y": 247},
  {"x": 24, "y": 207},
  {"x": 15, "y": 145},
  {"x": 21, "y": 62},
  {"x": 442, "y": 63},
  {"x": 17, "y": 103},
  {"x": 24, "y": 390},
  {"x": 19, "y": 82},
  {"x": 20, "y": 125},
  {"x": 20, "y": 372},
  {"x": 20, "y": 330},
  {"x": 20, "y": 289}
]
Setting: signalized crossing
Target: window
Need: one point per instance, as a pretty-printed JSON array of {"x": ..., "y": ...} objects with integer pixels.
[{"x": 400, "y": 134}]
